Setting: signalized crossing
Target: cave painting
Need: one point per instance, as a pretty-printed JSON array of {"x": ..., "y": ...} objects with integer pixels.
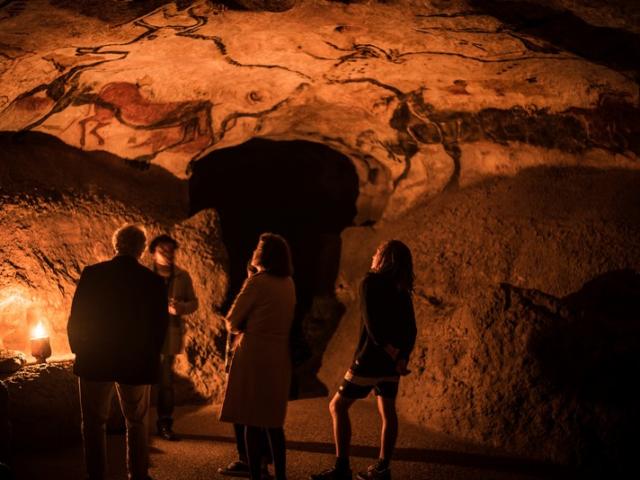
[
  {"x": 121, "y": 115},
  {"x": 429, "y": 106},
  {"x": 185, "y": 125}
]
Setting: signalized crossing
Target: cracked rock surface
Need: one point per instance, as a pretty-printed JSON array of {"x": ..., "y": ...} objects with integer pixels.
[
  {"x": 59, "y": 208},
  {"x": 457, "y": 116},
  {"x": 526, "y": 297},
  {"x": 420, "y": 95}
]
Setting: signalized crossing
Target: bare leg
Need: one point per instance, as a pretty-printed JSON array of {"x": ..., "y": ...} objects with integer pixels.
[
  {"x": 339, "y": 408},
  {"x": 389, "y": 433}
]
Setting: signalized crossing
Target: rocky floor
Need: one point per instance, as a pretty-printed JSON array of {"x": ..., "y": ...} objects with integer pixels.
[{"x": 208, "y": 444}]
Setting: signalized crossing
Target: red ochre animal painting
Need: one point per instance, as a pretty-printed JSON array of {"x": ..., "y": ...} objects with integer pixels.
[{"x": 173, "y": 124}]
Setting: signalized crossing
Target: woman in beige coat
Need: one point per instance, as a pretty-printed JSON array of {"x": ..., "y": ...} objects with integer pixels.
[{"x": 258, "y": 383}]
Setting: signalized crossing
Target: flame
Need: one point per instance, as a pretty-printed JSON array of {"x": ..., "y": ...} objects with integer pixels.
[{"x": 38, "y": 331}]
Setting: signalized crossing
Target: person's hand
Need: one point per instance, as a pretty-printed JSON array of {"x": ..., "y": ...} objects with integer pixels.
[
  {"x": 391, "y": 351},
  {"x": 251, "y": 270},
  {"x": 175, "y": 307},
  {"x": 236, "y": 341},
  {"x": 401, "y": 367}
]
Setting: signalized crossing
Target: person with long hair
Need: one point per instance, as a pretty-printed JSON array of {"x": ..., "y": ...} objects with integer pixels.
[
  {"x": 387, "y": 337},
  {"x": 260, "y": 373}
]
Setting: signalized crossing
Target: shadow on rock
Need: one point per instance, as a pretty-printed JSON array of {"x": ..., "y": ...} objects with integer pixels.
[
  {"x": 590, "y": 358},
  {"x": 616, "y": 48}
]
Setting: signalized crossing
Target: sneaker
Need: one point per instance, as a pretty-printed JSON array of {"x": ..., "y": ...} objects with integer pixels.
[
  {"x": 167, "y": 434},
  {"x": 333, "y": 474},
  {"x": 235, "y": 469},
  {"x": 375, "y": 472}
]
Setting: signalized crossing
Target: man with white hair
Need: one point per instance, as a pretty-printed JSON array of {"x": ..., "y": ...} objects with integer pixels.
[{"x": 116, "y": 329}]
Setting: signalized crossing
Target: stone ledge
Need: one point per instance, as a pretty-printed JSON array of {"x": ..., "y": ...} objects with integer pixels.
[{"x": 44, "y": 405}]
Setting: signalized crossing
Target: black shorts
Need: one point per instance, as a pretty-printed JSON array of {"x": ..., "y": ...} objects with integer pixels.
[{"x": 355, "y": 386}]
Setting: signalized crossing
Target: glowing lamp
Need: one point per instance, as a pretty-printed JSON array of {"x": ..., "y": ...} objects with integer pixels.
[{"x": 40, "y": 346}]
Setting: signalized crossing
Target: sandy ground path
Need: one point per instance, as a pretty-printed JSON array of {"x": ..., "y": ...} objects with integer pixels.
[{"x": 208, "y": 444}]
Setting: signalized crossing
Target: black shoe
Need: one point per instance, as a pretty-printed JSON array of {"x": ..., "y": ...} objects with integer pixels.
[
  {"x": 375, "y": 472},
  {"x": 333, "y": 474},
  {"x": 235, "y": 469},
  {"x": 167, "y": 434}
]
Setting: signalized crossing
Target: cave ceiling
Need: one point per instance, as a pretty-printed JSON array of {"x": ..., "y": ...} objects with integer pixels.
[{"x": 421, "y": 95}]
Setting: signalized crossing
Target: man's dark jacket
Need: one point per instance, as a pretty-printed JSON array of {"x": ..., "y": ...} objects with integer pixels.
[{"x": 118, "y": 321}]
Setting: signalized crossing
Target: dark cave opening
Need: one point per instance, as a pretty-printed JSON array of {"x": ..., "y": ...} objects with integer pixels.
[{"x": 302, "y": 190}]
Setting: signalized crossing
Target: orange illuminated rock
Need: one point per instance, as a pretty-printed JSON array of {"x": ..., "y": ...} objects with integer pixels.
[
  {"x": 526, "y": 298},
  {"x": 500, "y": 140},
  {"x": 385, "y": 83},
  {"x": 59, "y": 207},
  {"x": 11, "y": 361}
]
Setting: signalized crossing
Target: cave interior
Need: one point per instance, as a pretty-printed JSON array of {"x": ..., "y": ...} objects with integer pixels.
[{"x": 500, "y": 140}]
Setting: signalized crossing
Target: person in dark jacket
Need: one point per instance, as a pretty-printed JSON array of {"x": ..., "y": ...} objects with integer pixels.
[
  {"x": 182, "y": 301},
  {"x": 387, "y": 337},
  {"x": 117, "y": 325}
]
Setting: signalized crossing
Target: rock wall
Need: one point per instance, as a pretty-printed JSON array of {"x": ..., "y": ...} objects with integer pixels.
[
  {"x": 508, "y": 342},
  {"x": 43, "y": 406},
  {"x": 59, "y": 209},
  {"x": 429, "y": 99},
  {"x": 420, "y": 95},
  {"x": 534, "y": 374},
  {"x": 203, "y": 255}
]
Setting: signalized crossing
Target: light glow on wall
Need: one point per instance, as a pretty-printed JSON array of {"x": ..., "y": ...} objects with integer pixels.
[
  {"x": 38, "y": 331},
  {"x": 16, "y": 315},
  {"x": 12, "y": 300}
]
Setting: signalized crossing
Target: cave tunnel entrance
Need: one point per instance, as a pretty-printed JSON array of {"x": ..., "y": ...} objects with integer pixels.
[{"x": 302, "y": 190}]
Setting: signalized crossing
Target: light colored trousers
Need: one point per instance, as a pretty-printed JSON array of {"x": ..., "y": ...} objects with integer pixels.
[{"x": 95, "y": 403}]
